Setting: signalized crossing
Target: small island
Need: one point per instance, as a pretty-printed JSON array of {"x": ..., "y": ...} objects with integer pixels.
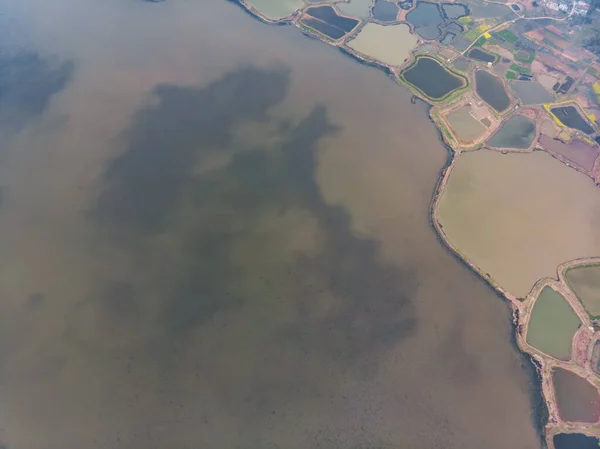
[{"x": 516, "y": 100}]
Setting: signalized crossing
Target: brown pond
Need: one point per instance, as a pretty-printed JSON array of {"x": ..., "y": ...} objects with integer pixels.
[
  {"x": 576, "y": 151},
  {"x": 577, "y": 399}
]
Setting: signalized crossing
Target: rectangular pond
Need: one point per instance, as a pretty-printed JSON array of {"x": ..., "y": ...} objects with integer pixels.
[
  {"x": 465, "y": 127},
  {"x": 577, "y": 151},
  {"x": 390, "y": 44},
  {"x": 491, "y": 90},
  {"x": 276, "y": 9},
  {"x": 577, "y": 399},
  {"x": 575, "y": 441},
  {"x": 480, "y": 55},
  {"x": 517, "y": 132},
  {"x": 552, "y": 324},
  {"x": 531, "y": 92}
]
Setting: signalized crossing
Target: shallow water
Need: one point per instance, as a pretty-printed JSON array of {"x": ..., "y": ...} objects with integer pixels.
[
  {"x": 531, "y": 92},
  {"x": 390, "y": 44},
  {"x": 276, "y": 9},
  {"x": 576, "y": 151},
  {"x": 552, "y": 325},
  {"x": 464, "y": 125},
  {"x": 356, "y": 8},
  {"x": 454, "y": 10},
  {"x": 517, "y": 132},
  {"x": 215, "y": 235},
  {"x": 577, "y": 399},
  {"x": 585, "y": 283},
  {"x": 519, "y": 231},
  {"x": 425, "y": 18}
]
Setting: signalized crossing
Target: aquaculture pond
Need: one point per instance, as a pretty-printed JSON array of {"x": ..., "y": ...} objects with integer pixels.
[
  {"x": 390, "y": 44},
  {"x": 596, "y": 358},
  {"x": 325, "y": 20},
  {"x": 531, "y": 92},
  {"x": 454, "y": 10},
  {"x": 570, "y": 116},
  {"x": 577, "y": 399},
  {"x": 480, "y": 55},
  {"x": 464, "y": 126},
  {"x": 385, "y": 11},
  {"x": 518, "y": 216},
  {"x": 517, "y": 132},
  {"x": 491, "y": 90},
  {"x": 426, "y": 18},
  {"x": 575, "y": 441},
  {"x": 552, "y": 324},
  {"x": 276, "y": 9},
  {"x": 356, "y": 8},
  {"x": 431, "y": 78},
  {"x": 585, "y": 283},
  {"x": 580, "y": 153}
]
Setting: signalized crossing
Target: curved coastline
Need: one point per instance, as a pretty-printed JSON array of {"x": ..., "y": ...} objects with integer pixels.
[{"x": 545, "y": 416}]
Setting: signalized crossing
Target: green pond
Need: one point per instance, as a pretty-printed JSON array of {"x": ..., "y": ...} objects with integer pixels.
[
  {"x": 552, "y": 325},
  {"x": 276, "y": 9},
  {"x": 517, "y": 132},
  {"x": 585, "y": 283}
]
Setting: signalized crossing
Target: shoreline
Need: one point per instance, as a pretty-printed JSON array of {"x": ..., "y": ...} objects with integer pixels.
[{"x": 544, "y": 409}]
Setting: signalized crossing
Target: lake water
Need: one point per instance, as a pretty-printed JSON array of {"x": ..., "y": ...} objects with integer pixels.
[
  {"x": 552, "y": 325},
  {"x": 491, "y": 90},
  {"x": 215, "y": 235},
  {"x": 454, "y": 10}
]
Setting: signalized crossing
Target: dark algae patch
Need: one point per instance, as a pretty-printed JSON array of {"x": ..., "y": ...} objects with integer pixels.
[
  {"x": 569, "y": 116},
  {"x": 431, "y": 78},
  {"x": 480, "y": 55},
  {"x": 491, "y": 90},
  {"x": 577, "y": 399},
  {"x": 575, "y": 441}
]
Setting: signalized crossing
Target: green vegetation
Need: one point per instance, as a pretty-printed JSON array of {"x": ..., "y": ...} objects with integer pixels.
[
  {"x": 510, "y": 75},
  {"x": 527, "y": 60},
  {"x": 552, "y": 325},
  {"x": 520, "y": 69},
  {"x": 508, "y": 36},
  {"x": 480, "y": 42},
  {"x": 472, "y": 34},
  {"x": 465, "y": 20}
]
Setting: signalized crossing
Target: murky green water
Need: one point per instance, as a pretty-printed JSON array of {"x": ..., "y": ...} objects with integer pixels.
[
  {"x": 517, "y": 132},
  {"x": 208, "y": 241},
  {"x": 585, "y": 283},
  {"x": 552, "y": 325}
]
